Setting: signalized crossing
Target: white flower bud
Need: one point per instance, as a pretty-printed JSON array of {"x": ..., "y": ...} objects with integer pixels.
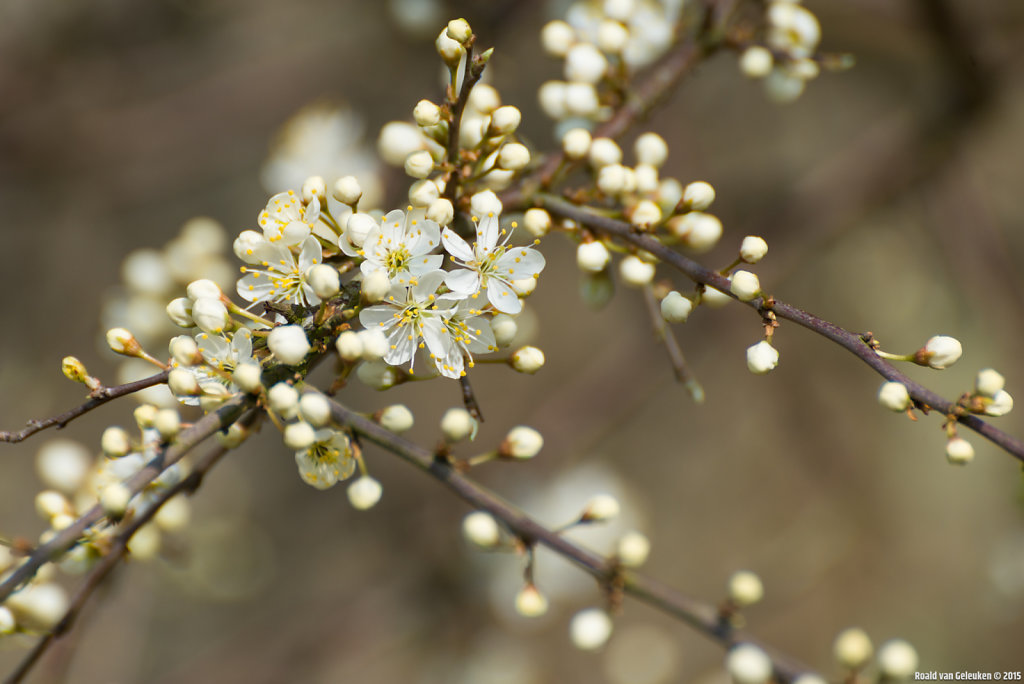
[
  {"x": 349, "y": 345},
  {"x": 753, "y": 249},
  {"x": 459, "y": 30},
  {"x": 635, "y": 271},
  {"x": 645, "y": 214},
  {"x": 551, "y": 97},
  {"x": 897, "y": 660},
  {"x": 398, "y": 139},
  {"x": 145, "y": 543},
  {"x": 852, "y": 648},
  {"x": 498, "y": 179},
  {"x": 675, "y": 308},
  {"x": 441, "y": 212},
  {"x": 505, "y": 120},
  {"x": 314, "y": 187},
  {"x": 347, "y": 190},
  {"x": 576, "y": 143},
  {"x": 604, "y": 151},
  {"x": 697, "y": 230},
  {"x": 247, "y": 244},
  {"x": 612, "y": 37},
  {"x": 530, "y": 602},
  {"x": 283, "y": 399},
  {"x": 611, "y": 179},
  {"x": 426, "y": 113},
  {"x": 504, "y": 328},
  {"x": 557, "y": 37},
  {"x": 396, "y": 418},
  {"x": 121, "y": 341},
  {"x": 184, "y": 350},
  {"x": 168, "y": 423},
  {"x": 527, "y": 360},
  {"x": 651, "y": 148},
  {"x": 419, "y": 164},
  {"x": 299, "y": 435},
  {"x": 513, "y": 157},
  {"x": 524, "y": 287},
  {"x": 315, "y": 409},
  {"x": 521, "y": 442},
  {"x": 592, "y": 257},
  {"x": 7, "y": 621},
  {"x": 375, "y": 286},
  {"x": 1001, "y": 404},
  {"x": 581, "y": 99},
  {"x": 114, "y": 499},
  {"x": 620, "y": 10},
  {"x": 483, "y": 99},
  {"x": 745, "y": 588},
  {"x": 324, "y": 280},
  {"x": 670, "y": 194},
  {"x": 809, "y": 678},
  {"x": 423, "y": 193},
  {"x": 364, "y": 492},
  {"x": 894, "y": 396},
  {"x": 714, "y": 299},
  {"x": 756, "y": 62},
  {"x": 748, "y": 664},
  {"x": 584, "y": 63},
  {"x": 451, "y": 51},
  {"x": 485, "y": 203},
  {"x": 173, "y": 515},
  {"x": 210, "y": 315},
  {"x": 480, "y": 528},
  {"x": 358, "y": 226},
  {"x": 745, "y": 285},
  {"x": 50, "y": 504},
  {"x": 39, "y": 606},
  {"x": 940, "y": 352},
  {"x": 183, "y": 383},
  {"x": 646, "y": 177},
  {"x": 633, "y": 549},
  {"x": 375, "y": 344},
  {"x": 144, "y": 416},
  {"x": 762, "y": 357},
  {"x": 288, "y": 344},
  {"x": 199, "y": 289},
  {"x": 233, "y": 438},
  {"x": 537, "y": 221},
  {"x": 248, "y": 376},
  {"x": 959, "y": 451},
  {"x": 457, "y": 424},
  {"x": 698, "y": 195},
  {"x": 62, "y": 464},
  {"x": 179, "y": 310},
  {"x": 115, "y": 442},
  {"x": 589, "y": 629},
  {"x": 989, "y": 382},
  {"x": 600, "y": 508}
]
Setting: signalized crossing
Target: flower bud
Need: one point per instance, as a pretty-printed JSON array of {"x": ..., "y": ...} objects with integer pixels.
[
  {"x": 457, "y": 424},
  {"x": 349, "y": 345},
  {"x": 675, "y": 308},
  {"x": 530, "y": 602},
  {"x": 748, "y": 664},
  {"x": 50, "y": 504},
  {"x": 299, "y": 435},
  {"x": 347, "y": 190},
  {"x": 324, "y": 280},
  {"x": 513, "y": 157},
  {"x": 959, "y": 451},
  {"x": 459, "y": 30},
  {"x": 697, "y": 230},
  {"x": 527, "y": 360},
  {"x": 441, "y": 211},
  {"x": 485, "y": 203},
  {"x": 633, "y": 549},
  {"x": 589, "y": 629},
  {"x": 73, "y": 369},
  {"x": 557, "y": 37},
  {"x": 375, "y": 286},
  {"x": 894, "y": 396},
  {"x": 714, "y": 299},
  {"x": 121, "y": 341},
  {"x": 939, "y": 352},
  {"x": 185, "y": 351},
  {"x": 600, "y": 508},
  {"x": 537, "y": 221},
  {"x": 576, "y": 143},
  {"x": 521, "y": 442},
  {"x": 114, "y": 499},
  {"x": 761, "y": 358},
  {"x": 451, "y": 51},
  {"x": 645, "y": 213},
  {"x": 612, "y": 37},
  {"x": 62, "y": 464},
  {"x": 398, "y": 139},
  {"x": 144, "y": 416},
  {"x": 647, "y": 182},
  {"x": 745, "y": 588},
  {"x": 375, "y": 345},
  {"x": 551, "y": 96},
  {"x": 183, "y": 383},
  {"x": 248, "y": 377},
  {"x": 314, "y": 187},
  {"x": 753, "y": 249},
  {"x": 397, "y": 418},
  {"x": 581, "y": 99},
  {"x": 584, "y": 63},
  {"x": 426, "y": 113},
  {"x": 480, "y": 528},
  {"x": 315, "y": 409},
  {"x": 592, "y": 257},
  {"x": 289, "y": 344},
  {"x": 989, "y": 382},
  {"x": 483, "y": 98},
  {"x": 604, "y": 151},
  {"x": 651, "y": 148},
  {"x": 698, "y": 196},
  {"x": 635, "y": 271},
  {"x": 852, "y": 648},
  {"x": 173, "y": 515},
  {"x": 357, "y": 227},
  {"x": 198, "y": 289},
  {"x": 419, "y": 164},
  {"x": 115, "y": 442},
  {"x": 897, "y": 660},
  {"x": 745, "y": 285},
  {"x": 364, "y": 493},
  {"x": 210, "y": 315},
  {"x": 505, "y": 120},
  {"x": 180, "y": 312},
  {"x": 283, "y": 399},
  {"x": 756, "y": 62},
  {"x": 1000, "y": 404},
  {"x": 168, "y": 423},
  {"x": 505, "y": 328}
]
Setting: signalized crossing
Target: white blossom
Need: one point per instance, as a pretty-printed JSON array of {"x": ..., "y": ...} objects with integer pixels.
[{"x": 328, "y": 460}]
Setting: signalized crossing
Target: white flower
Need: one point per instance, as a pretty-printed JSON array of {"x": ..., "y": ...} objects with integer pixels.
[
  {"x": 222, "y": 354},
  {"x": 283, "y": 276},
  {"x": 410, "y": 313},
  {"x": 400, "y": 247},
  {"x": 327, "y": 460},
  {"x": 286, "y": 220},
  {"x": 490, "y": 265}
]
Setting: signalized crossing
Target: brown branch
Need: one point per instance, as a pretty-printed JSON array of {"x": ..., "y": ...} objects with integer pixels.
[
  {"x": 852, "y": 342},
  {"x": 96, "y": 398},
  {"x": 703, "y": 617},
  {"x": 186, "y": 440}
]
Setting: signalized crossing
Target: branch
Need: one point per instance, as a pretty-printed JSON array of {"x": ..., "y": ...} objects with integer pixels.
[
  {"x": 186, "y": 440},
  {"x": 97, "y": 398},
  {"x": 852, "y": 342},
  {"x": 703, "y": 617}
]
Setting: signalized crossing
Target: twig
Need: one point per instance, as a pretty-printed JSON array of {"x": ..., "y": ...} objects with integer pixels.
[
  {"x": 186, "y": 440},
  {"x": 701, "y": 616},
  {"x": 97, "y": 398},
  {"x": 675, "y": 353},
  {"x": 469, "y": 399},
  {"x": 852, "y": 342}
]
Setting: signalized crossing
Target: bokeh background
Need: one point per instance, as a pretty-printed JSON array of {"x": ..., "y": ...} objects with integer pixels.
[{"x": 889, "y": 196}]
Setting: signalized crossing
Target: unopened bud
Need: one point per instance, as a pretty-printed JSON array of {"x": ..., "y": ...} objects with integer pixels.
[{"x": 74, "y": 369}]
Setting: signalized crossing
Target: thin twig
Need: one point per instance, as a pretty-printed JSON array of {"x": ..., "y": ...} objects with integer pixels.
[
  {"x": 853, "y": 342},
  {"x": 702, "y": 616},
  {"x": 675, "y": 353},
  {"x": 469, "y": 399},
  {"x": 96, "y": 398}
]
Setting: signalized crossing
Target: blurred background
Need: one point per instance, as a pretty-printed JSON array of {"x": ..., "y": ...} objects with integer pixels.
[{"x": 889, "y": 196}]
